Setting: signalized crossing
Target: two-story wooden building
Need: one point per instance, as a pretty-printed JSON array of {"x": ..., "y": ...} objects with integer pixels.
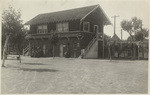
[{"x": 74, "y": 28}]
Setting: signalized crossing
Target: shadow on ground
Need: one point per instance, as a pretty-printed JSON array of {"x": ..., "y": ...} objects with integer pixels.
[
  {"x": 30, "y": 69},
  {"x": 33, "y": 63},
  {"x": 11, "y": 66},
  {"x": 12, "y": 59},
  {"x": 38, "y": 70}
]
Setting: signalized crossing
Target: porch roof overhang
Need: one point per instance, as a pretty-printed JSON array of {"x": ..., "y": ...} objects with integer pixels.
[{"x": 59, "y": 34}]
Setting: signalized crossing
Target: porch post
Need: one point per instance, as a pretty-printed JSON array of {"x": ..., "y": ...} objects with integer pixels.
[
  {"x": 103, "y": 39},
  {"x": 29, "y": 48},
  {"x": 138, "y": 52}
]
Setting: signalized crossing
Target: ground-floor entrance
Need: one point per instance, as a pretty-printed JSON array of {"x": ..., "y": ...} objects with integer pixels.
[
  {"x": 43, "y": 48},
  {"x": 61, "y": 50}
]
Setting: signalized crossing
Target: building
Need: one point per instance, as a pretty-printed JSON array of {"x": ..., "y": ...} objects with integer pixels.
[
  {"x": 115, "y": 38},
  {"x": 128, "y": 49},
  {"x": 79, "y": 31}
]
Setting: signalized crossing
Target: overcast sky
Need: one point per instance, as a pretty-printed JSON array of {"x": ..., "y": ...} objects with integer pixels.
[{"x": 126, "y": 9}]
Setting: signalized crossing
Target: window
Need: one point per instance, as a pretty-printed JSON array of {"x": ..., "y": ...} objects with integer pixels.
[
  {"x": 86, "y": 26},
  {"x": 59, "y": 27},
  {"x": 95, "y": 28},
  {"x": 62, "y": 27},
  {"x": 75, "y": 45},
  {"x": 65, "y": 26},
  {"x": 42, "y": 29}
]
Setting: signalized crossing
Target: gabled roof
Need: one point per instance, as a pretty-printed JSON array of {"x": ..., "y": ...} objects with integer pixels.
[
  {"x": 115, "y": 38},
  {"x": 67, "y": 15}
]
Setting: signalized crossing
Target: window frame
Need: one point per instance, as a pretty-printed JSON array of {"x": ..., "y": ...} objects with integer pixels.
[
  {"x": 42, "y": 30},
  {"x": 88, "y": 23},
  {"x": 62, "y": 27},
  {"x": 97, "y": 29}
]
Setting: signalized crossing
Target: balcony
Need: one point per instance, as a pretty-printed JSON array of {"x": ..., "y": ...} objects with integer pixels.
[{"x": 59, "y": 34}]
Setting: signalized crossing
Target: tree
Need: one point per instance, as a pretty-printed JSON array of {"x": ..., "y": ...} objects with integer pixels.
[
  {"x": 141, "y": 34},
  {"x": 54, "y": 42},
  {"x": 131, "y": 27},
  {"x": 11, "y": 26},
  {"x": 106, "y": 39},
  {"x": 18, "y": 41}
]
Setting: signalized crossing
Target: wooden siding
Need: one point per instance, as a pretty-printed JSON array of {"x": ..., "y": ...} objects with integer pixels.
[
  {"x": 73, "y": 26},
  {"x": 95, "y": 19},
  {"x": 51, "y": 27}
]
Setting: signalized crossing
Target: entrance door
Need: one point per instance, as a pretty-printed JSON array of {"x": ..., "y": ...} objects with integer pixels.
[
  {"x": 61, "y": 50},
  {"x": 96, "y": 29},
  {"x": 75, "y": 53},
  {"x": 44, "y": 49}
]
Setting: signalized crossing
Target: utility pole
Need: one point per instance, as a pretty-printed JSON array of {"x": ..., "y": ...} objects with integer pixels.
[
  {"x": 121, "y": 35},
  {"x": 115, "y": 40},
  {"x": 114, "y": 23}
]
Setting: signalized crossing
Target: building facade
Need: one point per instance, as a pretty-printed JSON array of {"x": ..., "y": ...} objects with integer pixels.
[{"x": 73, "y": 28}]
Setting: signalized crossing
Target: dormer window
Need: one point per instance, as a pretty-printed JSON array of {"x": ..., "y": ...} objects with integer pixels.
[
  {"x": 62, "y": 27},
  {"x": 86, "y": 26},
  {"x": 42, "y": 29}
]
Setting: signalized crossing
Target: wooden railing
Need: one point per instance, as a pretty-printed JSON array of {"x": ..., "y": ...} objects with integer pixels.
[
  {"x": 59, "y": 34},
  {"x": 90, "y": 44},
  {"x": 25, "y": 50}
]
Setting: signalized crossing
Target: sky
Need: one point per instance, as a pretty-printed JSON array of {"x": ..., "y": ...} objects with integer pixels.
[{"x": 125, "y": 9}]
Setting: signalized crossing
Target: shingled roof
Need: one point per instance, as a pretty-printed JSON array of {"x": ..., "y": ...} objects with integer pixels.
[{"x": 67, "y": 15}]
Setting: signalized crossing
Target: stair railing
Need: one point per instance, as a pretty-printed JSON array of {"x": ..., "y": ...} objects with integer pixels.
[{"x": 90, "y": 44}]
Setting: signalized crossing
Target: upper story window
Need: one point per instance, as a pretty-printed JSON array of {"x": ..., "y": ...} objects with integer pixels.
[
  {"x": 62, "y": 27},
  {"x": 95, "y": 28},
  {"x": 42, "y": 29},
  {"x": 86, "y": 26}
]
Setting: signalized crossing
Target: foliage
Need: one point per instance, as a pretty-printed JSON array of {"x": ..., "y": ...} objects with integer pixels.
[
  {"x": 54, "y": 39},
  {"x": 127, "y": 26},
  {"x": 11, "y": 29},
  {"x": 140, "y": 35},
  {"x": 54, "y": 42},
  {"x": 131, "y": 26},
  {"x": 18, "y": 41},
  {"x": 11, "y": 23},
  {"x": 106, "y": 39}
]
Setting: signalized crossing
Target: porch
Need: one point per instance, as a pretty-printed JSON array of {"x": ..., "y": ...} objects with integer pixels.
[{"x": 72, "y": 41}]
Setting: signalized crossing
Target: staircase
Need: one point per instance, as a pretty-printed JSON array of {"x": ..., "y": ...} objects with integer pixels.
[
  {"x": 26, "y": 51},
  {"x": 91, "y": 51}
]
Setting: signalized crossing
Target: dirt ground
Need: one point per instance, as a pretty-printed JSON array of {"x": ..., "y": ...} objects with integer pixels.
[{"x": 74, "y": 76}]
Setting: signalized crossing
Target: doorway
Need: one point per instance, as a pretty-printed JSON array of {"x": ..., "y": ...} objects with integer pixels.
[{"x": 61, "y": 50}]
